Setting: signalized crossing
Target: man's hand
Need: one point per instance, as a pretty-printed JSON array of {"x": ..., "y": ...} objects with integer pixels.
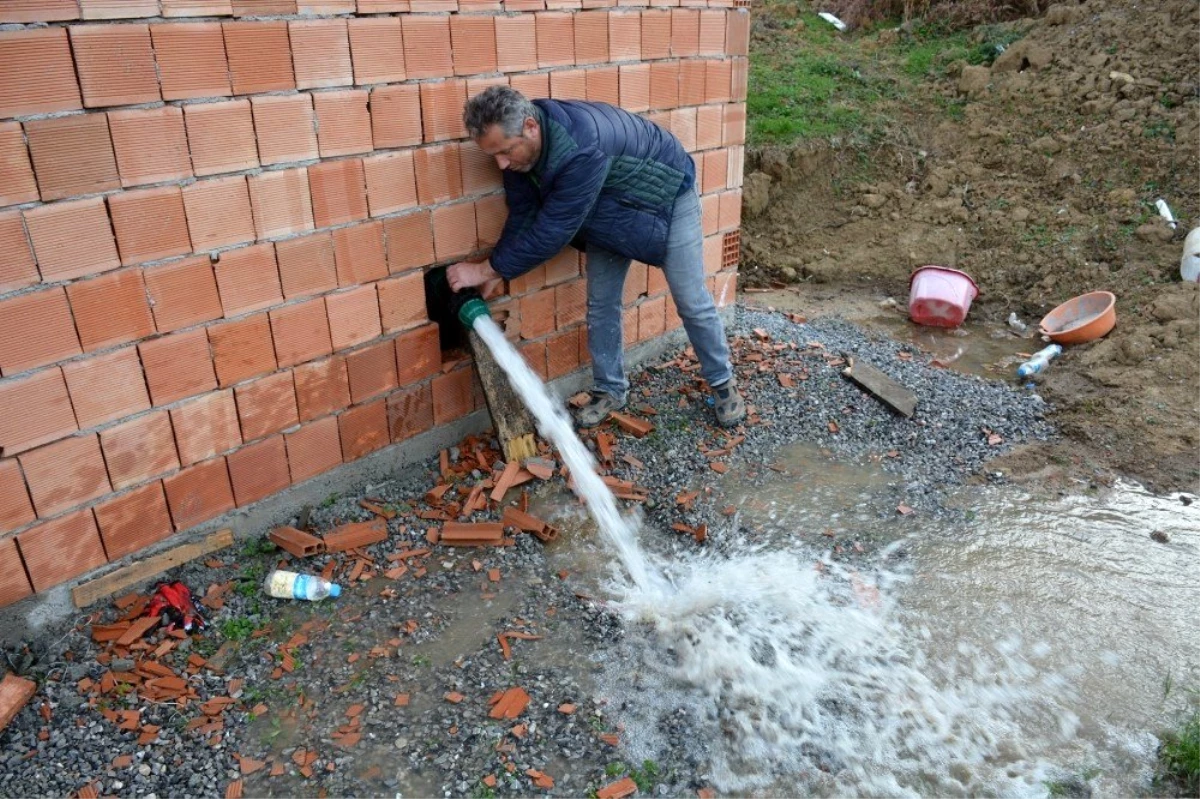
[{"x": 465, "y": 274}]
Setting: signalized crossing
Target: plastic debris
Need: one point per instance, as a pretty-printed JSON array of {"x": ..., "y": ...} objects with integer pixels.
[
  {"x": 832, "y": 20},
  {"x": 174, "y": 602},
  {"x": 1164, "y": 211}
]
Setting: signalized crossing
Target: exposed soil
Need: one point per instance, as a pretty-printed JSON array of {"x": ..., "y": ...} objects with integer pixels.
[{"x": 1043, "y": 189}]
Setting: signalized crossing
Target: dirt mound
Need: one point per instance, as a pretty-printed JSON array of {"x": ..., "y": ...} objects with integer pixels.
[{"x": 1043, "y": 189}]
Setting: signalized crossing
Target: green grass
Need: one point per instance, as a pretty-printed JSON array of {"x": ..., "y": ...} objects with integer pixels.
[
  {"x": 809, "y": 82},
  {"x": 238, "y": 629},
  {"x": 1179, "y": 758}
]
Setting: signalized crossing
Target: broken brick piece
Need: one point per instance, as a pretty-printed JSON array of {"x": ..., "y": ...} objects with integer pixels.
[
  {"x": 296, "y": 542},
  {"x": 460, "y": 534},
  {"x": 541, "y": 468},
  {"x": 540, "y": 779},
  {"x": 638, "y": 428},
  {"x": 507, "y": 480},
  {"x": 489, "y": 780},
  {"x": 454, "y": 697},
  {"x": 138, "y": 629},
  {"x": 509, "y": 704},
  {"x": 356, "y": 534},
  {"x": 618, "y": 789},
  {"x": 15, "y": 692}
]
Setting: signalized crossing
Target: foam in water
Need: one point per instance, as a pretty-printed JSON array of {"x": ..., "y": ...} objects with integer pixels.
[{"x": 797, "y": 672}]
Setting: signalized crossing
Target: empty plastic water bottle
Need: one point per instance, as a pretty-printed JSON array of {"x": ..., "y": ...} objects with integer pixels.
[
  {"x": 290, "y": 585},
  {"x": 1039, "y": 361}
]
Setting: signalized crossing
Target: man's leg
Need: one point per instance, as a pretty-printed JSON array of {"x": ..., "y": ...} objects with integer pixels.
[
  {"x": 605, "y": 284},
  {"x": 684, "y": 271}
]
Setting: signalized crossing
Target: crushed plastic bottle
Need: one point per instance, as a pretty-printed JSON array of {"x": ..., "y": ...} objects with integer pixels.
[
  {"x": 290, "y": 585},
  {"x": 1189, "y": 264},
  {"x": 1015, "y": 323},
  {"x": 1039, "y": 361}
]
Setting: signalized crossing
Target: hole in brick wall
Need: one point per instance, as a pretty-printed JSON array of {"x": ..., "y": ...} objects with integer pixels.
[{"x": 451, "y": 334}]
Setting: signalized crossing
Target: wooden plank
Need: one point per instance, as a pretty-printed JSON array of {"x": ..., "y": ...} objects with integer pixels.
[
  {"x": 514, "y": 425},
  {"x": 882, "y": 387},
  {"x": 87, "y": 593},
  {"x": 15, "y": 692}
]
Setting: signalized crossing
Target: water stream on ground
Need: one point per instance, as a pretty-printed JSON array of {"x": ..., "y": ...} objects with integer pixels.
[{"x": 1021, "y": 644}]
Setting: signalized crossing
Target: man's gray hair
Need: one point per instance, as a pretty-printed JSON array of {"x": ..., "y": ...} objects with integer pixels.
[{"x": 497, "y": 105}]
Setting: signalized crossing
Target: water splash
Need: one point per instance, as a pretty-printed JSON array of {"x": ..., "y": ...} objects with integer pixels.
[
  {"x": 799, "y": 671},
  {"x": 555, "y": 425}
]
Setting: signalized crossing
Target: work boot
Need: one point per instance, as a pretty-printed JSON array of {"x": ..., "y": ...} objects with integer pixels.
[
  {"x": 598, "y": 408},
  {"x": 728, "y": 403}
]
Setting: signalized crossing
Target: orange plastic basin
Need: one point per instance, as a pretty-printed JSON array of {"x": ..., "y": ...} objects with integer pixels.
[{"x": 1083, "y": 318}]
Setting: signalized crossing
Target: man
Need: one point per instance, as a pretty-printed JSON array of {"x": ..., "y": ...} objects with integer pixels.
[{"x": 619, "y": 188}]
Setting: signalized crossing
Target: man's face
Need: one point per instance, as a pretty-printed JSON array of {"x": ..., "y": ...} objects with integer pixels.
[{"x": 514, "y": 153}]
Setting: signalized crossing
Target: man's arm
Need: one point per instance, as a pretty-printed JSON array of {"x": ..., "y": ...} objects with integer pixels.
[{"x": 575, "y": 190}]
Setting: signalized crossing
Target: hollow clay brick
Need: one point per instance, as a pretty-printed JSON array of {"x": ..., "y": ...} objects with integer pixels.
[
  {"x": 391, "y": 182},
  {"x": 409, "y": 242},
  {"x": 259, "y": 8},
  {"x": 709, "y": 126},
  {"x": 555, "y": 39},
  {"x": 718, "y": 79},
  {"x": 39, "y": 74},
  {"x": 343, "y": 122},
  {"x": 150, "y": 145},
  {"x": 115, "y": 64},
  {"x": 716, "y": 167},
  {"x": 322, "y": 387},
  {"x": 206, "y": 426},
  {"x": 731, "y": 210},
  {"x": 473, "y": 39},
  {"x": 477, "y": 85},
  {"x": 371, "y": 370},
  {"x": 72, "y": 155},
  {"x": 301, "y": 332},
  {"x": 656, "y": 34},
  {"x": 198, "y": 494},
  {"x": 683, "y": 126},
  {"x": 441, "y": 109},
  {"x": 710, "y": 213},
  {"x": 17, "y": 184},
  {"x": 313, "y": 449},
  {"x": 242, "y": 349},
  {"x": 396, "y": 116},
  {"x": 177, "y": 366},
  {"x": 218, "y": 212},
  {"x": 287, "y": 128},
  {"x": 191, "y": 60},
  {"x": 603, "y": 85},
  {"x": 534, "y": 86},
  {"x": 454, "y": 233},
  {"x": 635, "y": 87},
  {"x": 321, "y": 53},
  {"x": 62, "y": 548},
  {"x": 39, "y": 10},
  {"x": 685, "y": 32},
  {"x": 453, "y": 395},
  {"x": 739, "y": 72},
  {"x": 359, "y": 254},
  {"x": 402, "y": 301},
  {"x": 490, "y": 215},
  {"x": 537, "y": 314},
  {"x": 427, "y": 49},
  {"x": 353, "y": 317},
  {"x": 524, "y": 5},
  {"x": 568, "y": 84},
  {"x": 712, "y": 32},
  {"x": 113, "y": 9},
  {"x": 150, "y": 224},
  {"x": 267, "y": 405},
  {"x": 248, "y": 280},
  {"x": 664, "y": 84},
  {"x": 624, "y": 36},
  {"x": 691, "y": 81},
  {"x": 65, "y": 474},
  {"x": 107, "y": 387},
  {"x": 14, "y": 582},
  {"x": 737, "y": 32},
  {"x": 258, "y": 470},
  {"x": 15, "y": 508},
  {"x": 534, "y": 353},
  {"x": 33, "y": 411},
  {"x": 570, "y": 303},
  {"x": 221, "y": 137},
  {"x": 306, "y": 265},
  {"x": 48, "y": 313},
  {"x": 339, "y": 192},
  {"x": 260, "y": 56},
  {"x": 418, "y": 354},
  {"x": 134, "y": 520},
  {"x": 591, "y": 37},
  {"x": 17, "y": 267},
  {"x": 377, "y": 50},
  {"x": 479, "y": 170},
  {"x": 281, "y": 202},
  {"x": 439, "y": 174},
  {"x": 325, "y": 6},
  {"x": 139, "y": 449},
  {"x": 734, "y": 124},
  {"x": 410, "y": 411},
  {"x": 516, "y": 43},
  {"x": 196, "y": 8},
  {"x": 364, "y": 429},
  {"x": 382, "y": 6},
  {"x": 562, "y": 353}
]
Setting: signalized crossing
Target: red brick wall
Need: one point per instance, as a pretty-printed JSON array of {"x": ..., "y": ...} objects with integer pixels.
[{"x": 214, "y": 220}]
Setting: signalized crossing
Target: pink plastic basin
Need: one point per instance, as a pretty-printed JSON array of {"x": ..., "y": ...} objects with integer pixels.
[{"x": 939, "y": 296}]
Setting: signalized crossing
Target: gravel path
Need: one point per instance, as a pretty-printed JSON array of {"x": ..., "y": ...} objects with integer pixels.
[{"x": 368, "y": 706}]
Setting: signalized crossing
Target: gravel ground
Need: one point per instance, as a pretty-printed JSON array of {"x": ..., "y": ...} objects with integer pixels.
[{"x": 337, "y": 715}]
